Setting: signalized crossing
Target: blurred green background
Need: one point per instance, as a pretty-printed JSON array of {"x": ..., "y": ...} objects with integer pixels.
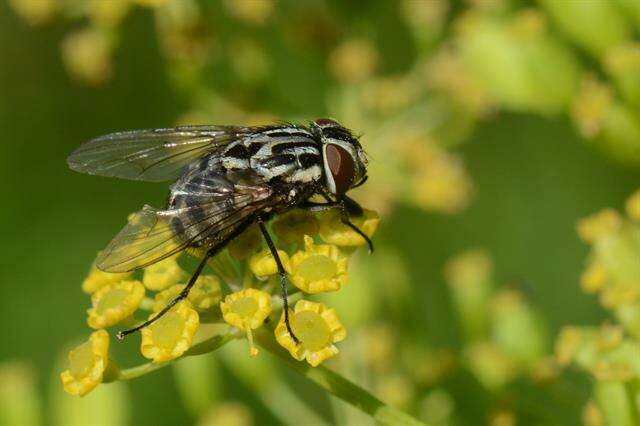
[{"x": 532, "y": 173}]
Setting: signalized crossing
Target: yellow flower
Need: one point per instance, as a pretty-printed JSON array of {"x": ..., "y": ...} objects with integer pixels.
[
  {"x": 598, "y": 225},
  {"x": 163, "y": 274},
  {"x": 395, "y": 389},
  {"x": 568, "y": 344},
  {"x": 317, "y": 327},
  {"x": 35, "y": 12},
  {"x": 170, "y": 336},
  {"x": 318, "y": 268},
  {"x": 353, "y": 61},
  {"x": 633, "y": 206},
  {"x": 205, "y": 293},
  {"x": 263, "y": 264},
  {"x": 87, "y": 364},
  {"x": 591, "y": 106},
  {"x": 108, "y": 13},
  {"x": 247, "y": 310},
  {"x": 333, "y": 231},
  {"x": 250, "y": 11},
  {"x": 490, "y": 364},
  {"x": 442, "y": 183},
  {"x": 87, "y": 56},
  {"x": 151, "y": 3},
  {"x": 227, "y": 414},
  {"x": 114, "y": 302},
  {"x": 591, "y": 414},
  {"x": 291, "y": 227},
  {"x": 165, "y": 296},
  {"x": 98, "y": 279},
  {"x": 594, "y": 278},
  {"x": 246, "y": 243},
  {"x": 619, "y": 294},
  {"x": 609, "y": 337}
]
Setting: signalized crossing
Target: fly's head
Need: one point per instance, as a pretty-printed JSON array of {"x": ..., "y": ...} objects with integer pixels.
[{"x": 344, "y": 160}]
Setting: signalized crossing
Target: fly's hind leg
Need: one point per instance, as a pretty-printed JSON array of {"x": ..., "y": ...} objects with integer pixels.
[
  {"x": 283, "y": 276},
  {"x": 185, "y": 292}
]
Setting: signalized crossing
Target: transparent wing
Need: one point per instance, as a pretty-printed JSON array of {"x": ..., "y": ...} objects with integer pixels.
[
  {"x": 151, "y": 155},
  {"x": 152, "y": 235}
]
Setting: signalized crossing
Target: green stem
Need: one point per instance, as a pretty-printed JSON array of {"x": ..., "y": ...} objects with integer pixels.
[{"x": 338, "y": 385}]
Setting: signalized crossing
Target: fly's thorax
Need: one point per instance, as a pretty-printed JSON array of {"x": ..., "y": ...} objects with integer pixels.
[{"x": 289, "y": 153}]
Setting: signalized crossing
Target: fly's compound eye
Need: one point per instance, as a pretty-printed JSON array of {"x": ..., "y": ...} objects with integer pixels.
[
  {"x": 339, "y": 168},
  {"x": 326, "y": 122}
]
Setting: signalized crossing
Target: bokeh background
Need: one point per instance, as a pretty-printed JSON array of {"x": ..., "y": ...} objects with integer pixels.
[{"x": 493, "y": 127}]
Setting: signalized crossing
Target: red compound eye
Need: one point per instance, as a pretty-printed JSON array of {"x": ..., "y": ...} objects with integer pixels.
[
  {"x": 339, "y": 168},
  {"x": 326, "y": 122}
]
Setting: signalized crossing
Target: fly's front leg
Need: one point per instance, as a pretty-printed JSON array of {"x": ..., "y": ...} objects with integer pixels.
[
  {"x": 283, "y": 276},
  {"x": 348, "y": 207},
  {"x": 320, "y": 207}
]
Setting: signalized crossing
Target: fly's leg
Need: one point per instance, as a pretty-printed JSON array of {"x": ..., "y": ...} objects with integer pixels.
[
  {"x": 183, "y": 295},
  {"x": 283, "y": 277},
  {"x": 320, "y": 207},
  {"x": 185, "y": 292},
  {"x": 347, "y": 207}
]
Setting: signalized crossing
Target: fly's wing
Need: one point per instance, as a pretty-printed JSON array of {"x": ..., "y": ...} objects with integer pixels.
[
  {"x": 224, "y": 202},
  {"x": 152, "y": 155}
]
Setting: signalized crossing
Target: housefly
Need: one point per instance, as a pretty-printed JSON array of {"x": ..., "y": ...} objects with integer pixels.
[{"x": 227, "y": 178}]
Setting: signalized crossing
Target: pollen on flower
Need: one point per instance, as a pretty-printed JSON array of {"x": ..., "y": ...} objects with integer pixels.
[
  {"x": 163, "y": 274},
  {"x": 98, "y": 279},
  {"x": 114, "y": 303},
  {"x": 318, "y": 268},
  {"x": 317, "y": 327},
  {"x": 247, "y": 310},
  {"x": 333, "y": 231},
  {"x": 263, "y": 264},
  {"x": 170, "y": 336},
  {"x": 87, "y": 363},
  {"x": 292, "y": 226}
]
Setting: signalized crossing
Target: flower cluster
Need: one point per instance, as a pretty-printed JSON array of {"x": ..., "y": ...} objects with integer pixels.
[
  {"x": 228, "y": 304},
  {"x": 505, "y": 336},
  {"x": 610, "y": 352}
]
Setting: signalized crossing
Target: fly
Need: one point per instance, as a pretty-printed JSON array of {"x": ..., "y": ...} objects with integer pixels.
[{"x": 226, "y": 179}]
